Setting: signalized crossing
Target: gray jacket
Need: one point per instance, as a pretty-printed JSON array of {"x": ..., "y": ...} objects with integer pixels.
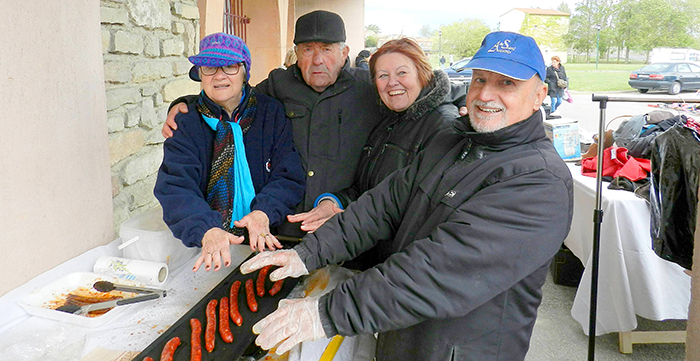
[{"x": 473, "y": 224}]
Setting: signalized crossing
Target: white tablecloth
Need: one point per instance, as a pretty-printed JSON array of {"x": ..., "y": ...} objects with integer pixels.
[
  {"x": 24, "y": 337},
  {"x": 632, "y": 279},
  {"x": 28, "y": 337}
]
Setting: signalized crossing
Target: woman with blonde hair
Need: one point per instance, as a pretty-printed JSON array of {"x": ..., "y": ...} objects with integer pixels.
[{"x": 290, "y": 58}]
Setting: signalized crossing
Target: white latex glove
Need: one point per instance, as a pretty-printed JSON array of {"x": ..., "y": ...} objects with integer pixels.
[
  {"x": 288, "y": 260},
  {"x": 295, "y": 321}
]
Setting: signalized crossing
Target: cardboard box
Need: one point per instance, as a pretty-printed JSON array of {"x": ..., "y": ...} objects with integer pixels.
[{"x": 564, "y": 135}]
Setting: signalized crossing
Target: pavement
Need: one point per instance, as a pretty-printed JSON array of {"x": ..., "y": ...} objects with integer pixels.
[
  {"x": 558, "y": 337},
  {"x": 587, "y": 112}
]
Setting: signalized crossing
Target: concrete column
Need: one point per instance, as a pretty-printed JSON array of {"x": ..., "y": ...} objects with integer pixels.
[
  {"x": 211, "y": 17},
  {"x": 55, "y": 192}
]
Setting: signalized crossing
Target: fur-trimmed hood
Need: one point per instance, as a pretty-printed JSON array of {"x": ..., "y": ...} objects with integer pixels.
[{"x": 430, "y": 97}]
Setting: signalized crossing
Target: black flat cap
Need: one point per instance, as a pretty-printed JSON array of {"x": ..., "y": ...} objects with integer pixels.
[{"x": 319, "y": 25}]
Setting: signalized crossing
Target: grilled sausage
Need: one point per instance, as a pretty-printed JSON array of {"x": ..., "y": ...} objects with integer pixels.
[
  {"x": 276, "y": 287},
  {"x": 224, "y": 329},
  {"x": 233, "y": 304},
  {"x": 169, "y": 349},
  {"x": 262, "y": 276},
  {"x": 250, "y": 295},
  {"x": 196, "y": 340},
  {"x": 211, "y": 326}
]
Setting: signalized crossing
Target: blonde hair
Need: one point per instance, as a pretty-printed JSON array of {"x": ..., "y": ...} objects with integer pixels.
[{"x": 290, "y": 58}]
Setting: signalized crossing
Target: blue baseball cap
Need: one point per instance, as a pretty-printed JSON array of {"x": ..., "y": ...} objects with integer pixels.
[{"x": 514, "y": 55}]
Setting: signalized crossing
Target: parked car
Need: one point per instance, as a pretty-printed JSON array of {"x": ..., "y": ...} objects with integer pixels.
[
  {"x": 671, "y": 76},
  {"x": 458, "y": 73}
]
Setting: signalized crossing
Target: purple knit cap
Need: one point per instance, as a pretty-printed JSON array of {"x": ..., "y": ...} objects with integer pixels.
[{"x": 221, "y": 49}]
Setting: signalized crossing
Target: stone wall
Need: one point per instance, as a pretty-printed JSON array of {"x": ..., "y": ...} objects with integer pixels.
[{"x": 145, "y": 45}]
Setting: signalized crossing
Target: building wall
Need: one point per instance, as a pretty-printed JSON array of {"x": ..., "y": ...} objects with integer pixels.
[
  {"x": 511, "y": 21},
  {"x": 547, "y": 30},
  {"x": 55, "y": 200},
  {"x": 352, "y": 12},
  {"x": 266, "y": 35},
  {"x": 145, "y": 45}
]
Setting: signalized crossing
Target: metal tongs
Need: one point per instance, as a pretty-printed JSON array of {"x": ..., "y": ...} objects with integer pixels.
[{"x": 146, "y": 294}]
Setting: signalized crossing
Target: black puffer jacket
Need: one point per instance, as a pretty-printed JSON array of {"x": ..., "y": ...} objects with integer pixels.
[
  {"x": 473, "y": 223},
  {"x": 394, "y": 144},
  {"x": 395, "y": 141}
]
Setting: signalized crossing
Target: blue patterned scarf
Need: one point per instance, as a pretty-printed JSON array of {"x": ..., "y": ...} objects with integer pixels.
[{"x": 230, "y": 189}]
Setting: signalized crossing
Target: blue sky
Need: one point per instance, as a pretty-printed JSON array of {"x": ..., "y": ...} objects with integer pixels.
[{"x": 395, "y": 16}]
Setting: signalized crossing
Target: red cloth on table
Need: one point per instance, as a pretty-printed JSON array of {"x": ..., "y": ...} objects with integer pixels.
[{"x": 616, "y": 163}]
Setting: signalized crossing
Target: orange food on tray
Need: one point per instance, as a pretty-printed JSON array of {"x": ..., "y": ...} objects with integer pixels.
[{"x": 83, "y": 296}]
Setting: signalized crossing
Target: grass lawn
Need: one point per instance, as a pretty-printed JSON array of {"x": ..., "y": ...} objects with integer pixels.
[{"x": 608, "y": 77}]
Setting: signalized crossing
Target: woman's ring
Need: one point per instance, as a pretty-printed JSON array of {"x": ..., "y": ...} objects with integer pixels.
[{"x": 263, "y": 235}]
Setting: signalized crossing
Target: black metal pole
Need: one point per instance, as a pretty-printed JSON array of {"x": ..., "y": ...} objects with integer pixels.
[{"x": 597, "y": 221}]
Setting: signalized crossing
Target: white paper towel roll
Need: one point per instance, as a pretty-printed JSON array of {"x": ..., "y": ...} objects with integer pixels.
[{"x": 153, "y": 273}]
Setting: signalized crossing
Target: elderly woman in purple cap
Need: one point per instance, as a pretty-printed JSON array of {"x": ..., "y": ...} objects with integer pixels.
[{"x": 231, "y": 165}]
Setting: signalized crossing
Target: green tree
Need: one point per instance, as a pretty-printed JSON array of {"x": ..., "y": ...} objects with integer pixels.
[
  {"x": 426, "y": 31},
  {"x": 373, "y": 28},
  {"x": 564, "y": 7},
  {"x": 623, "y": 26},
  {"x": 371, "y": 41},
  {"x": 462, "y": 38},
  {"x": 661, "y": 23},
  {"x": 583, "y": 26}
]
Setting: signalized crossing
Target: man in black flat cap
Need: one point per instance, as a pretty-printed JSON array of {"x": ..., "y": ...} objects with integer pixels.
[{"x": 333, "y": 107}]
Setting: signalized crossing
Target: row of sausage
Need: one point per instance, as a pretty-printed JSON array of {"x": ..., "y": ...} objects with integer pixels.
[{"x": 224, "y": 313}]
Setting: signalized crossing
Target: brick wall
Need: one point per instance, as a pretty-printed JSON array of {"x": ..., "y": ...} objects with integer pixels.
[{"x": 145, "y": 45}]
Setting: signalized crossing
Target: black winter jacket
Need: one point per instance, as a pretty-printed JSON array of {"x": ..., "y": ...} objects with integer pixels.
[
  {"x": 330, "y": 128},
  {"x": 397, "y": 139},
  {"x": 473, "y": 222},
  {"x": 394, "y": 144}
]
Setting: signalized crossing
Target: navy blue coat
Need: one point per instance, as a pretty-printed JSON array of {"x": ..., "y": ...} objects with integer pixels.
[{"x": 275, "y": 168}]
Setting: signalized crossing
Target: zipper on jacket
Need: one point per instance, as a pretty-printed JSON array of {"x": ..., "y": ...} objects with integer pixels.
[
  {"x": 340, "y": 116},
  {"x": 373, "y": 162}
]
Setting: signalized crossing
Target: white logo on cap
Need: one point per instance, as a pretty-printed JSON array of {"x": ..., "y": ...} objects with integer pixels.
[{"x": 502, "y": 47}]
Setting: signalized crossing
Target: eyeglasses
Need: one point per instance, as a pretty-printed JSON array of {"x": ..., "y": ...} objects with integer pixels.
[{"x": 228, "y": 69}]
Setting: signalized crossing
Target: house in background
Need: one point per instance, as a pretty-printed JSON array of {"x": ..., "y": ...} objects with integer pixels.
[
  {"x": 546, "y": 26},
  {"x": 427, "y": 45}
]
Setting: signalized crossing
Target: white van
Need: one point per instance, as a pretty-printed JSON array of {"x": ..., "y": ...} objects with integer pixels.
[{"x": 674, "y": 54}]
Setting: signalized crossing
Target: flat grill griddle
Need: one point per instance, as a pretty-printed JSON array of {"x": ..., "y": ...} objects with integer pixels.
[{"x": 243, "y": 336}]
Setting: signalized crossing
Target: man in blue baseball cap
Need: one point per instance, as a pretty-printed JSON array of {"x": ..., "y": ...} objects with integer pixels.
[
  {"x": 507, "y": 81},
  {"x": 473, "y": 223}
]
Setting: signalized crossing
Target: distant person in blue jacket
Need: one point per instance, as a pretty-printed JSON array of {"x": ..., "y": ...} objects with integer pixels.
[{"x": 231, "y": 164}]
